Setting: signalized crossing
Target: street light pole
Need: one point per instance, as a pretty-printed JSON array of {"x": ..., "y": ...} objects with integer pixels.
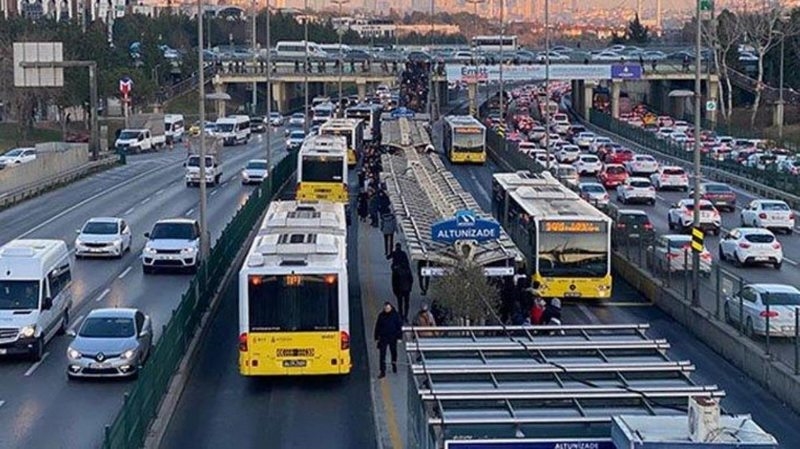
[
  {"x": 306, "y": 68},
  {"x": 340, "y": 32},
  {"x": 697, "y": 131},
  {"x": 254, "y": 99},
  {"x": 202, "y": 111},
  {"x": 547, "y": 82},
  {"x": 432, "y": 70},
  {"x": 502, "y": 86},
  {"x": 780, "y": 91},
  {"x": 269, "y": 102}
]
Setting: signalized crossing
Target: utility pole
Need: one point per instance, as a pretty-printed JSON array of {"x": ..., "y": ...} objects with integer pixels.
[
  {"x": 432, "y": 70},
  {"x": 204, "y": 237},
  {"x": 340, "y": 32},
  {"x": 547, "y": 82},
  {"x": 269, "y": 101},
  {"x": 306, "y": 68},
  {"x": 254, "y": 99},
  {"x": 781, "y": 103},
  {"x": 697, "y": 130},
  {"x": 502, "y": 56}
]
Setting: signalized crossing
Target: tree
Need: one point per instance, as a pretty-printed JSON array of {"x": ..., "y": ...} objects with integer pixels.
[
  {"x": 722, "y": 37},
  {"x": 636, "y": 32},
  {"x": 466, "y": 294}
]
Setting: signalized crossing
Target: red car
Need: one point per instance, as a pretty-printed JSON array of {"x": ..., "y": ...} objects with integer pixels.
[
  {"x": 618, "y": 156},
  {"x": 612, "y": 175}
]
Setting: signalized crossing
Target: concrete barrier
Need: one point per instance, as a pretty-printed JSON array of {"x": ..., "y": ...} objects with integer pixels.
[
  {"x": 723, "y": 339},
  {"x": 52, "y": 159}
]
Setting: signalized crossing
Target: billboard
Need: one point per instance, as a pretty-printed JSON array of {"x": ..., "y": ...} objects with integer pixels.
[
  {"x": 566, "y": 443},
  {"x": 536, "y": 72}
]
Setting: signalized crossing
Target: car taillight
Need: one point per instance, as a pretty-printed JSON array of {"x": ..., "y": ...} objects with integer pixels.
[
  {"x": 605, "y": 196},
  {"x": 620, "y": 225},
  {"x": 776, "y": 245},
  {"x": 648, "y": 226},
  {"x": 791, "y": 216},
  {"x": 243, "y": 342},
  {"x": 705, "y": 256},
  {"x": 762, "y": 215},
  {"x": 629, "y": 188},
  {"x": 664, "y": 177},
  {"x": 672, "y": 255},
  {"x": 651, "y": 188},
  {"x": 344, "y": 338},
  {"x": 771, "y": 314},
  {"x": 744, "y": 245}
]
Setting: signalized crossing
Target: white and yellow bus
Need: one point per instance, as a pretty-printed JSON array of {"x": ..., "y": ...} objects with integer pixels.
[
  {"x": 464, "y": 139},
  {"x": 322, "y": 169},
  {"x": 352, "y": 129},
  {"x": 566, "y": 241},
  {"x": 293, "y": 293},
  {"x": 370, "y": 114}
]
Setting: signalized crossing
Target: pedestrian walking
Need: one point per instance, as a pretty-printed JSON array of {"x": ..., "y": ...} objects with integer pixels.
[
  {"x": 363, "y": 211},
  {"x": 424, "y": 318},
  {"x": 402, "y": 283},
  {"x": 537, "y": 311},
  {"x": 373, "y": 208},
  {"x": 398, "y": 257},
  {"x": 388, "y": 329},
  {"x": 388, "y": 228}
]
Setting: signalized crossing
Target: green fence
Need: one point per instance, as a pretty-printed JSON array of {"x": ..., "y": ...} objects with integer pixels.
[
  {"x": 770, "y": 176},
  {"x": 506, "y": 152},
  {"x": 129, "y": 428}
]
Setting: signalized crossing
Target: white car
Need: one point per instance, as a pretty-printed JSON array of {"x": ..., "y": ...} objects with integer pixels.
[
  {"x": 584, "y": 139},
  {"x": 681, "y": 126},
  {"x": 560, "y": 123},
  {"x": 681, "y": 216},
  {"x": 608, "y": 55},
  {"x": 540, "y": 156},
  {"x": 636, "y": 190},
  {"x": 588, "y": 164},
  {"x": 772, "y": 214},
  {"x": 664, "y": 132},
  {"x": 255, "y": 171},
  {"x": 275, "y": 119},
  {"x": 670, "y": 177},
  {"x": 537, "y": 133},
  {"x": 17, "y": 156},
  {"x": 679, "y": 137},
  {"x": 672, "y": 252},
  {"x": 173, "y": 243},
  {"x": 568, "y": 154},
  {"x": 594, "y": 193},
  {"x": 642, "y": 164},
  {"x": 566, "y": 174},
  {"x": 751, "y": 246},
  {"x": 752, "y": 300},
  {"x": 598, "y": 142},
  {"x": 103, "y": 236}
]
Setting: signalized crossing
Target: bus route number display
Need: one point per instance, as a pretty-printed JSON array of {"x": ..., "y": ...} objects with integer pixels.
[
  {"x": 572, "y": 226},
  {"x": 469, "y": 130}
]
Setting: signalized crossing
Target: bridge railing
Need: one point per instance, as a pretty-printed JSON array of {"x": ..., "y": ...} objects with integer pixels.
[{"x": 129, "y": 428}]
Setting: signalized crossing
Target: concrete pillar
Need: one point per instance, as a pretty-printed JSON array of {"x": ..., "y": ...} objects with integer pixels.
[
  {"x": 472, "y": 92},
  {"x": 220, "y": 88},
  {"x": 777, "y": 114},
  {"x": 280, "y": 95},
  {"x": 587, "y": 95},
  {"x": 361, "y": 85},
  {"x": 712, "y": 88},
  {"x": 616, "y": 87}
]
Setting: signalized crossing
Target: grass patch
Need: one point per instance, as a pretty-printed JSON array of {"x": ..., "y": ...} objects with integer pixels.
[{"x": 11, "y": 137}]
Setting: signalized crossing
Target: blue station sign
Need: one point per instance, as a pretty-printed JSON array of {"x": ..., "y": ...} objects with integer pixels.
[
  {"x": 626, "y": 71},
  {"x": 465, "y": 226},
  {"x": 402, "y": 112},
  {"x": 531, "y": 444}
]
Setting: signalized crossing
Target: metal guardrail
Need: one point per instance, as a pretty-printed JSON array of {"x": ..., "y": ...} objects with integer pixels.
[
  {"x": 768, "y": 183},
  {"x": 140, "y": 404},
  {"x": 36, "y": 187}
]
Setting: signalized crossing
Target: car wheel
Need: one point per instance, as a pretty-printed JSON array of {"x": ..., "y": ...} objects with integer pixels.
[
  {"x": 777, "y": 265},
  {"x": 64, "y": 323},
  {"x": 716, "y": 231},
  {"x": 739, "y": 261},
  {"x": 147, "y": 270},
  {"x": 789, "y": 231},
  {"x": 653, "y": 202},
  {"x": 38, "y": 350},
  {"x": 669, "y": 224},
  {"x": 741, "y": 220}
]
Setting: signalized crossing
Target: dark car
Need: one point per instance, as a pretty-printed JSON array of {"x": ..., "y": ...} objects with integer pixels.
[
  {"x": 357, "y": 56},
  {"x": 721, "y": 195},
  {"x": 631, "y": 226},
  {"x": 418, "y": 56},
  {"x": 258, "y": 125}
]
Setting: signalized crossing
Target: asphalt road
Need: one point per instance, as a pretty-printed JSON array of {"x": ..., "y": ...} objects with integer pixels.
[
  {"x": 39, "y": 407},
  {"x": 221, "y": 408}
]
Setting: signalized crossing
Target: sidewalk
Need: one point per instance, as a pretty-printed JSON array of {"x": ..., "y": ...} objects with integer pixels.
[{"x": 389, "y": 393}]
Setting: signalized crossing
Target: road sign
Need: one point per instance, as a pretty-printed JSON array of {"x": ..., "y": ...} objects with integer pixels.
[
  {"x": 38, "y": 52},
  {"x": 626, "y": 71},
  {"x": 697, "y": 239},
  {"x": 706, "y": 5},
  {"x": 402, "y": 112},
  {"x": 465, "y": 226},
  {"x": 125, "y": 87},
  {"x": 578, "y": 443},
  {"x": 711, "y": 105}
]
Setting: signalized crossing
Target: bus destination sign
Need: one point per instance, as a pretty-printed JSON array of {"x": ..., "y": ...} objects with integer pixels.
[{"x": 573, "y": 226}]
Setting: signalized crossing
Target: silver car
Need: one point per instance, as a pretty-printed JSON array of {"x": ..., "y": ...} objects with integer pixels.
[
  {"x": 103, "y": 236},
  {"x": 255, "y": 171},
  {"x": 748, "y": 308},
  {"x": 110, "y": 343}
]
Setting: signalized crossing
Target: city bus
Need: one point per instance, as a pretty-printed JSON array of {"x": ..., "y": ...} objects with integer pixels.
[
  {"x": 322, "y": 112},
  {"x": 293, "y": 293},
  {"x": 352, "y": 129},
  {"x": 464, "y": 139},
  {"x": 371, "y": 115},
  {"x": 567, "y": 242},
  {"x": 495, "y": 44},
  {"x": 322, "y": 169}
]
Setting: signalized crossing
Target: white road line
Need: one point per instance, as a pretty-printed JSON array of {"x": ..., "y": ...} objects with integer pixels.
[
  {"x": 789, "y": 261},
  {"x": 214, "y": 192},
  {"x": 36, "y": 365},
  {"x": 129, "y": 211},
  {"x": 189, "y": 212},
  {"x": 125, "y": 273},
  {"x": 76, "y": 322},
  {"x": 2, "y": 403},
  {"x": 103, "y": 295},
  {"x": 144, "y": 201}
]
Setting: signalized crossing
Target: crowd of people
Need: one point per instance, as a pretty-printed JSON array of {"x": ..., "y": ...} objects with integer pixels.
[
  {"x": 521, "y": 304},
  {"x": 414, "y": 85}
]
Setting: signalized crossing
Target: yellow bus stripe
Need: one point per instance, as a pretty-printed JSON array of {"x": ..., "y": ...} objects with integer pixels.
[{"x": 386, "y": 393}]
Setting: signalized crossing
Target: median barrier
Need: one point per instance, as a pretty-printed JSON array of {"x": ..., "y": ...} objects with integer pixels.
[
  {"x": 141, "y": 404},
  {"x": 51, "y": 159}
]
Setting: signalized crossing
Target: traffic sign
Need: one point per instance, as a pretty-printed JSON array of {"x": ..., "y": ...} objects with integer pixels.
[
  {"x": 706, "y": 5},
  {"x": 697, "y": 239},
  {"x": 566, "y": 443},
  {"x": 711, "y": 105},
  {"x": 465, "y": 226},
  {"x": 125, "y": 86}
]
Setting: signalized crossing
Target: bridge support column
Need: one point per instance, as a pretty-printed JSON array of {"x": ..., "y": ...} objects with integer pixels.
[
  {"x": 220, "y": 88},
  {"x": 587, "y": 95},
  {"x": 280, "y": 95},
  {"x": 472, "y": 91},
  {"x": 713, "y": 95},
  {"x": 361, "y": 85},
  {"x": 778, "y": 113},
  {"x": 616, "y": 87}
]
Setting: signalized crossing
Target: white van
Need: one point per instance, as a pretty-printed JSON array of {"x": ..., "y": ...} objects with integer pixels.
[
  {"x": 297, "y": 49},
  {"x": 35, "y": 295},
  {"x": 335, "y": 49},
  {"x": 233, "y": 130},
  {"x": 174, "y": 128}
]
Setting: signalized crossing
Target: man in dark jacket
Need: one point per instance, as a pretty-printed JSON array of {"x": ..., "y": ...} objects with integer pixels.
[
  {"x": 388, "y": 329},
  {"x": 402, "y": 282},
  {"x": 398, "y": 257},
  {"x": 552, "y": 312}
]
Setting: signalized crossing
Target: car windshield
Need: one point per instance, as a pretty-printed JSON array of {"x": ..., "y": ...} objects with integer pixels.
[
  {"x": 128, "y": 135},
  {"x": 297, "y": 135},
  {"x": 781, "y": 298},
  {"x": 194, "y": 161},
  {"x": 673, "y": 171},
  {"x": 19, "y": 295},
  {"x": 615, "y": 170},
  {"x": 107, "y": 327},
  {"x": 589, "y": 159},
  {"x": 717, "y": 188},
  {"x": 774, "y": 206},
  {"x": 14, "y": 153},
  {"x": 100, "y": 227},
  {"x": 179, "y": 231},
  {"x": 593, "y": 188},
  {"x": 703, "y": 206},
  {"x": 760, "y": 238},
  {"x": 679, "y": 243},
  {"x": 640, "y": 184},
  {"x": 225, "y": 127},
  {"x": 257, "y": 165},
  {"x": 639, "y": 219}
]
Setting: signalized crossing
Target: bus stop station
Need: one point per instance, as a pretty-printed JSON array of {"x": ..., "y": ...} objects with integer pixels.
[
  {"x": 425, "y": 197},
  {"x": 567, "y": 387}
]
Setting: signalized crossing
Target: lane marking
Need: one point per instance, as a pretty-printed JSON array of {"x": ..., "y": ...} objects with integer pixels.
[
  {"x": 144, "y": 201},
  {"x": 214, "y": 192},
  {"x": 75, "y": 323},
  {"x": 628, "y": 304},
  {"x": 103, "y": 295},
  {"x": 125, "y": 272},
  {"x": 129, "y": 211},
  {"x": 158, "y": 192},
  {"x": 2, "y": 403},
  {"x": 588, "y": 313},
  {"x": 189, "y": 212},
  {"x": 789, "y": 261},
  {"x": 36, "y": 365}
]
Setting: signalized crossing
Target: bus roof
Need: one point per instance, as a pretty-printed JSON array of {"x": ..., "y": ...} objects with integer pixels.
[
  {"x": 322, "y": 216},
  {"x": 287, "y": 250},
  {"x": 338, "y": 123},
  {"x": 543, "y": 197},
  {"x": 324, "y": 145},
  {"x": 364, "y": 107},
  {"x": 464, "y": 120}
]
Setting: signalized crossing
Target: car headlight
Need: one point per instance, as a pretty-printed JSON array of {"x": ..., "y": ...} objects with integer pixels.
[
  {"x": 28, "y": 331},
  {"x": 148, "y": 250},
  {"x": 73, "y": 354},
  {"x": 288, "y": 142},
  {"x": 244, "y": 175},
  {"x": 189, "y": 250},
  {"x": 78, "y": 242},
  {"x": 127, "y": 355}
]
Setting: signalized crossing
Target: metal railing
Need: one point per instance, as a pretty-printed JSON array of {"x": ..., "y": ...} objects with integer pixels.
[{"x": 140, "y": 404}]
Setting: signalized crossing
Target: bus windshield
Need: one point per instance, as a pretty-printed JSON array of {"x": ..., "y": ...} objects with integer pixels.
[
  {"x": 574, "y": 251},
  {"x": 468, "y": 142},
  {"x": 293, "y": 303},
  {"x": 322, "y": 169}
]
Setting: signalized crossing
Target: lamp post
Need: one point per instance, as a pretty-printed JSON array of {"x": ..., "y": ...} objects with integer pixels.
[
  {"x": 697, "y": 130},
  {"x": 269, "y": 101},
  {"x": 340, "y": 32},
  {"x": 254, "y": 99},
  {"x": 306, "y": 68},
  {"x": 502, "y": 86},
  {"x": 432, "y": 71},
  {"x": 202, "y": 111},
  {"x": 547, "y": 82}
]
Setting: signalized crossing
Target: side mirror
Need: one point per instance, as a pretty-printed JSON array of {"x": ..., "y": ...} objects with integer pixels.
[
  {"x": 147, "y": 235},
  {"x": 184, "y": 164},
  {"x": 77, "y": 231},
  {"x": 674, "y": 205},
  {"x": 47, "y": 303},
  {"x": 144, "y": 333},
  {"x": 72, "y": 333}
]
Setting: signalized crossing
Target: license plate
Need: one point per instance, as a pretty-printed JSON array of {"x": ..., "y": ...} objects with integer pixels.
[
  {"x": 572, "y": 295},
  {"x": 98, "y": 365},
  {"x": 3, "y": 351},
  {"x": 762, "y": 259},
  {"x": 294, "y": 363},
  {"x": 95, "y": 250}
]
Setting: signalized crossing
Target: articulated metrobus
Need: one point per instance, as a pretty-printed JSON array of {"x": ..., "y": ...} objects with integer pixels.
[
  {"x": 371, "y": 115},
  {"x": 566, "y": 241},
  {"x": 322, "y": 169},
  {"x": 352, "y": 129},
  {"x": 464, "y": 139},
  {"x": 293, "y": 296}
]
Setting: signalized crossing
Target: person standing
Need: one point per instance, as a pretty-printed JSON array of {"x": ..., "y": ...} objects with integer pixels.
[
  {"x": 388, "y": 329},
  {"x": 388, "y": 228},
  {"x": 373, "y": 208},
  {"x": 425, "y": 318},
  {"x": 402, "y": 282},
  {"x": 363, "y": 211}
]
